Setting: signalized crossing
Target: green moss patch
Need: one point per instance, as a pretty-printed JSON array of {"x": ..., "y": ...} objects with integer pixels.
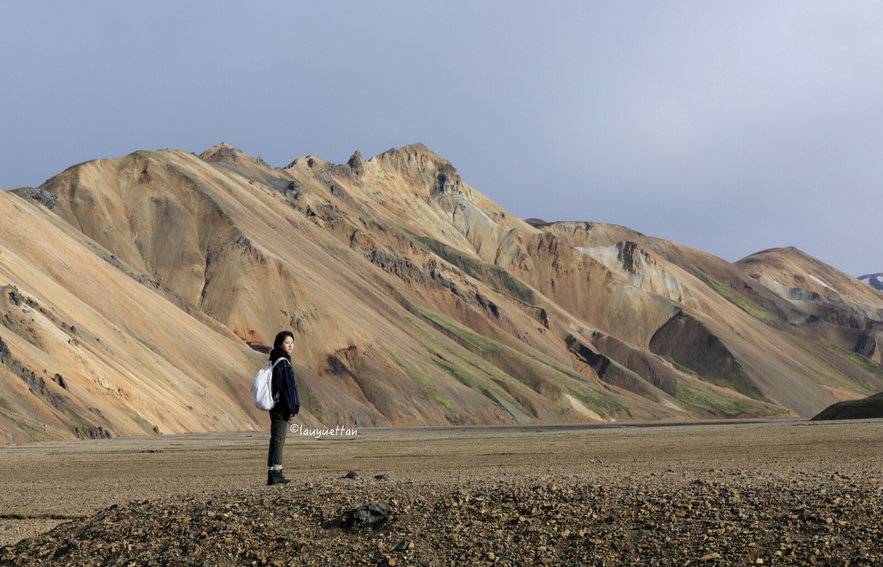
[
  {"x": 35, "y": 434},
  {"x": 503, "y": 280},
  {"x": 477, "y": 376},
  {"x": 421, "y": 378},
  {"x": 719, "y": 405},
  {"x": 837, "y": 378},
  {"x": 494, "y": 276},
  {"x": 460, "y": 374},
  {"x": 603, "y": 405},
  {"x": 857, "y": 360},
  {"x": 740, "y": 301},
  {"x": 478, "y": 342},
  {"x": 314, "y": 404},
  {"x": 553, "y": 366}
]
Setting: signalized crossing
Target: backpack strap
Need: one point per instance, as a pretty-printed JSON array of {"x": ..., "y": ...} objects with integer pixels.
[{"x": 273, "y": 367}]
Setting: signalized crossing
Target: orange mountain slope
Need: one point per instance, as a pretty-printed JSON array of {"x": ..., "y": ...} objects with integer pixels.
[{"x": 144, "y": 299}]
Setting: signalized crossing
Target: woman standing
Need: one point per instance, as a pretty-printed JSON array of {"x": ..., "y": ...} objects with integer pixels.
[{"x": 284, "y": 389}]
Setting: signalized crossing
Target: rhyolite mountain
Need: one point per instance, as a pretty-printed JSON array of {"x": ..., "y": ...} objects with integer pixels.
[{"x": 139, "y": 296}]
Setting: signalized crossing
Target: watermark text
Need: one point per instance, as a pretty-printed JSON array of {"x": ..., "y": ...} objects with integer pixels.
[{"x": 339, "y": 431}]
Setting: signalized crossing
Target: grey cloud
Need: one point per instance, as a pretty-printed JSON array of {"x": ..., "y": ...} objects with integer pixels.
[{"x": 728, "y": 126}]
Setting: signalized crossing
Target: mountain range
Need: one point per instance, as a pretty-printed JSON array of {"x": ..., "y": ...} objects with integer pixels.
[{"x": 139, "y": 296}]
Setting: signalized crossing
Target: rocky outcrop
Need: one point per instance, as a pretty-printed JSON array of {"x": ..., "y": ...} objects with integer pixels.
[
  {"x": 37, "y": 194},
  {"x": 356, "y": 164},
  {"x": 92, "y": 432},
  {"x": 36, "y": 385},
  {"x": 402, "y": 269}
]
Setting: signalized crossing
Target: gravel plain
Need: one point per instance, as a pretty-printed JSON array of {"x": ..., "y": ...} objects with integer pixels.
[{"x": 735, "y": 493}]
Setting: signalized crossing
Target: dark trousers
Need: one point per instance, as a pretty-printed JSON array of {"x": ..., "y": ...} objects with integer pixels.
[{"x": 278, "y": 431}]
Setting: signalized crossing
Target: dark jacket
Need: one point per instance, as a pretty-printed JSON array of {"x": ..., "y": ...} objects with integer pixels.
[{"x": 284, "y": 386}]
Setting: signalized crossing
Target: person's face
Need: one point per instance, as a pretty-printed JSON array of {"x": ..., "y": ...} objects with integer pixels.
[{"x": 288, "y": 345}]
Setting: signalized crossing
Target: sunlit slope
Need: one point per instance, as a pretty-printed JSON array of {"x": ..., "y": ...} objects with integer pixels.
[{"x": 122, "y": 357}]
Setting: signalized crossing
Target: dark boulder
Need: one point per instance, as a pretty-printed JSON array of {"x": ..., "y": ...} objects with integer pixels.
[{"x": 364, "y": 516}]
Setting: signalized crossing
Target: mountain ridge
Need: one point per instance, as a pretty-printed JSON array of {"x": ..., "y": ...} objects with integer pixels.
[{"x": 415, "y": 300}]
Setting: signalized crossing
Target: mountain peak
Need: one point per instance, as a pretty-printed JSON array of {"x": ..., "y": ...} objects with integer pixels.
[
  {"x": 222, "y": 152},
  {"x": 356, "y": 163},
  {"x": 420, "y": 164},
  {"x": 225, "y": 153}
]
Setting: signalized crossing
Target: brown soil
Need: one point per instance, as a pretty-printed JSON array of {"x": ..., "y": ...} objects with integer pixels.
[{"x": 721, "y": 493}]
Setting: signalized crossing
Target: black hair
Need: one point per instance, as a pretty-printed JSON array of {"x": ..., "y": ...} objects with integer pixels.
[{"x": 280, "y": 338}]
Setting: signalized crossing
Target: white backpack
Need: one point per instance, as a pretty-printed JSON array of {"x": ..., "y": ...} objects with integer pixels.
[{"x": 262, "y": 389}]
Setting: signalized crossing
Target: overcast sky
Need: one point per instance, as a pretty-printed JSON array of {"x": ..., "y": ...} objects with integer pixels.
[{"x": 729, "y": 126}]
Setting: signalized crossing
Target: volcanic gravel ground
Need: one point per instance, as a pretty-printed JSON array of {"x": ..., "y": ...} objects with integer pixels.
[{"x": 746, "y": 494}]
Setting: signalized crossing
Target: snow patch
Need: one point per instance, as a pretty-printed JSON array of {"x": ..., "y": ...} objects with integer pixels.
[
  {"x": 817, "y": 280},
  {"x": 873, "y": 280}
]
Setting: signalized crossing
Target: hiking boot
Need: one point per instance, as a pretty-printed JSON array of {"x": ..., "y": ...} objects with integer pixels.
[{"x": 275, "y": 477}]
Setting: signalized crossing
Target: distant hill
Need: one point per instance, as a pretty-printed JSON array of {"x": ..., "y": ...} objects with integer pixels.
[
  {"x": 875, "y": 280},
  {"x": 867, "y": 408},
  {"x": 139, "y": 295}
]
